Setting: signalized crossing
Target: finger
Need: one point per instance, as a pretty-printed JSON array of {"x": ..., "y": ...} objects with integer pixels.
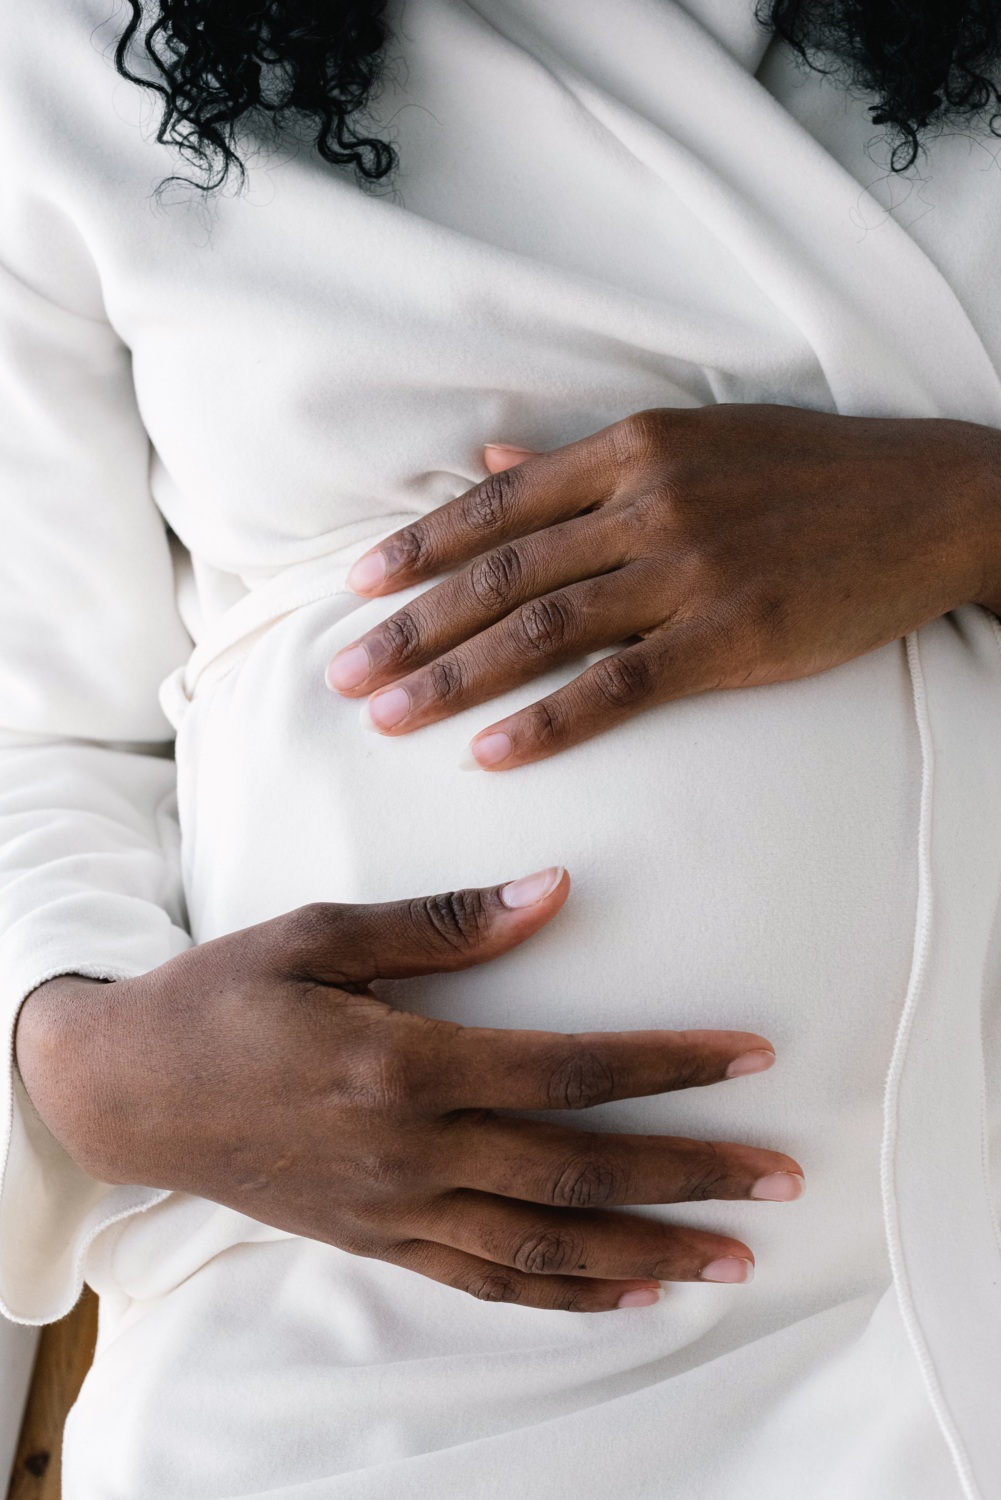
[
  {"x": 341, "y": 944},
  {"x": 549, "y": 488},
  {"x": 548, "y": 1164},
  {"x": 539, "y": 635},
  {"x": 674, "y": 663},
  {"x": 613, "y": 1247},
  {"x": 478, "y": 1067},
  {"x": 486, "y": 591},
  {"x": 493, "y": 1283},
  {"x": 498, "y": 456}
]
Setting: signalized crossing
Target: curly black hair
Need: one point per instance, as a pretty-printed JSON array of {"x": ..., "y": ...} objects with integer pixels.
[
  {"x": 218, "y": 64},
  {"x": 922, "y": 62}
]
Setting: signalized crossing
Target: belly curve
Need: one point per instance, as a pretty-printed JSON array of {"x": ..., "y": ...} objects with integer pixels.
[{"x": 742, "y": 859}]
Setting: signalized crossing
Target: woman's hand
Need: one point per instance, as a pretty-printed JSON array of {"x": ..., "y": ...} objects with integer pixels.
[
  {"x": 722, "y": 547},
  {"x": 259, "y": 1071}
]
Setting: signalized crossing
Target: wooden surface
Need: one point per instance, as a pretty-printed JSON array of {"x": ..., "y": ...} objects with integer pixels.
[{"x": 65, "y": 1352}]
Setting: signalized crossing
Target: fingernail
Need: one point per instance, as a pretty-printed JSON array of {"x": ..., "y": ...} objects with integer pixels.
[
  {"x": 639, "y": 1299},
  {"x": 367, "y": 573},
  {"x": 779, "y": 1187},
  {"x": 728, "y": 1268},
  {"x": 491, "y": 749},
  {"x": 510, "y": 451},
  {"x": 348, "y": 669},
  {"x": 531, "y": 889},
  {"x": 750, "y": 1062},
  {"x": 386, "y": 710}
]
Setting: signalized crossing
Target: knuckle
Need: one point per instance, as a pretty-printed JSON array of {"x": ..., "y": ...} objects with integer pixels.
[
  {"x": 380, "y": 1073},
  {"x": 625, "y": 679},
  {"x": 446, "y": 679},
  {"x": 544, "y": 723},
  {"x": 402, "y": 636},
  {"x": 641, "y": 521},
  {"x": 486, "y": 507},
  {"x": 545, "y": 625},
  {"x": 588, "y": 1182},
  {"x": 493, "y": 1285},
  {"x": 411, "y": 549},
  {"x": 307, "y": 925},
  {"x": 581, "y": 1080},
  {"x": 455, "y": 919},
  {"x": 387, "y": 1173},
  {"x": 641, "y": 435},
  {"x": 545, "y": 1252},
  {"x": 494, "y": 578}
]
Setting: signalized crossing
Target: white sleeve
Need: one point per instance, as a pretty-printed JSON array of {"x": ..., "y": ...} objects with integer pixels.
[{"x": 89, "y": 864}]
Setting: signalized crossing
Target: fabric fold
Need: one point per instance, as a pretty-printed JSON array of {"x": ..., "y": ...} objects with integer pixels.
[
  {"x": 89, "y": 884},
  {"x": 941, "y": 1219}
]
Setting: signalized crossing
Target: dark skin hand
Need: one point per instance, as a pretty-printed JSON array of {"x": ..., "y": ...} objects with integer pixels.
[
  {"x": 260, "y": 1071},
  {"x": 717, "y": 548}
]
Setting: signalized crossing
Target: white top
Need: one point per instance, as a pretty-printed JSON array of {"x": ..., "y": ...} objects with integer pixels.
[{"x": 592, "y": 216}]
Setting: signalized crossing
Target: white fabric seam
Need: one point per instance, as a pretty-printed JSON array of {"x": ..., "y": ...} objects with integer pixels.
[
  {"x": 923, "y": 927},
  {"x": 985, "y": 1158}
]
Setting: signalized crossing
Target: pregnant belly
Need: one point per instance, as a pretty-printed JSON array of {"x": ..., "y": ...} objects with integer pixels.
[{"x": 743, "y": 859}]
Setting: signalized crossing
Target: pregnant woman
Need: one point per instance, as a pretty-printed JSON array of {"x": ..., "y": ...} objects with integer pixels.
[{"x": 596, "y": 403}]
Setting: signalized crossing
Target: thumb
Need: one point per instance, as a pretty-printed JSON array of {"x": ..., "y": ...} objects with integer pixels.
[
  {"x": 426, "y": 935},
  {"x": 500, "y": 456}
]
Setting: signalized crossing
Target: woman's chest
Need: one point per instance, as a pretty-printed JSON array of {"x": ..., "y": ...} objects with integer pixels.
[
  {"x": 587, "y": 219},
  {"x": 307, "y": 354}
]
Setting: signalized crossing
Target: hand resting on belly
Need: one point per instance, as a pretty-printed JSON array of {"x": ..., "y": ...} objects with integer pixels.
[
  {"x": 259, "y": 1071},
  {"x": 728, "y": 546}
]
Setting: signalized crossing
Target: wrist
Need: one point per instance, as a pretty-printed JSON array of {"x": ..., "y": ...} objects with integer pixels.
[
  {"x": 60, "y": 1036},
  {"x": 983, "y": 449}
]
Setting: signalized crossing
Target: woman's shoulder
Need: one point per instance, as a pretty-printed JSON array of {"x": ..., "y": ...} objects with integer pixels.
[
  {"x": 42, "y": 33},
  {"x": 57, "y": 55},
  {"x": 66, "y": 114}
]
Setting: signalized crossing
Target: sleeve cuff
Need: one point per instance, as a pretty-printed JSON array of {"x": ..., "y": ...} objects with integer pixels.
[{"x": 51, "y": 1210}]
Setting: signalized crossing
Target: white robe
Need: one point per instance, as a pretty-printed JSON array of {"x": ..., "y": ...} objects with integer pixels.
[{"x": 598, "y": 209}]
